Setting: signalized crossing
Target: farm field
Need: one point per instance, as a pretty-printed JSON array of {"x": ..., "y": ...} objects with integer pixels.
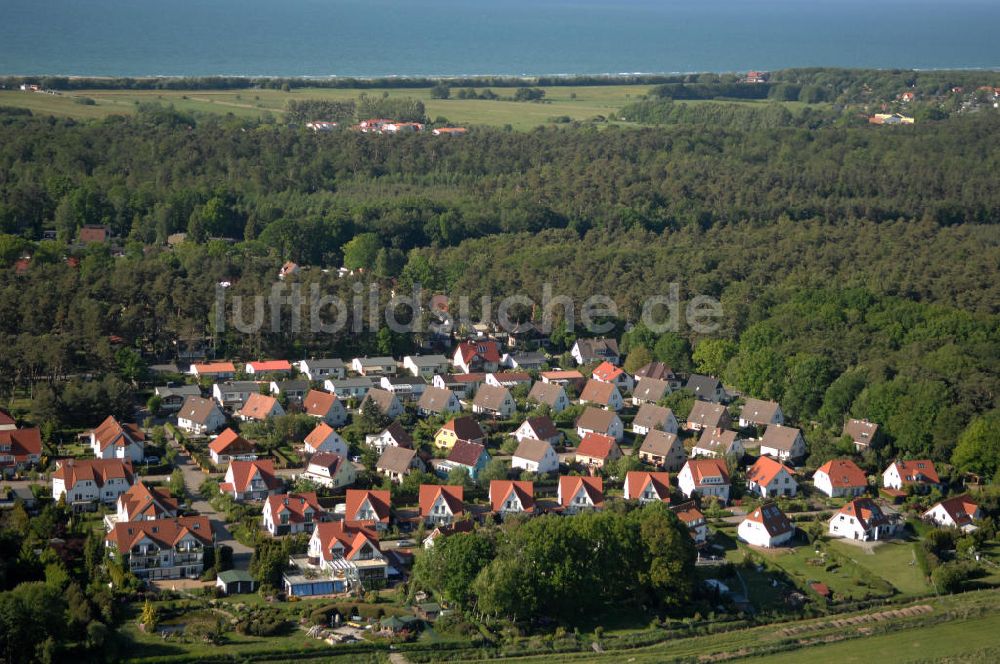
[{"x": 579, "y": 103}]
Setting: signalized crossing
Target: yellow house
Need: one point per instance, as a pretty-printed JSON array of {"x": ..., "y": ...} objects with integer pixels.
[{"x": 460, "y": 428}]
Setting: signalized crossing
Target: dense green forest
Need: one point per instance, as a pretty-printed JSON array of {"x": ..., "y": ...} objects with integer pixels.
[{"x": 856, "y": 266}]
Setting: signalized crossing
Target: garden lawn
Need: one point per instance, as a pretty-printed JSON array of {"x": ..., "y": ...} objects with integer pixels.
[
  {"x": 843, "y": 580},
  {"x": 893, "y": 561}
]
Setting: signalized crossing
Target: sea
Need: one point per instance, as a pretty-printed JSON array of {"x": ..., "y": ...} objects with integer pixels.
[{"x": 375, "y": 38}]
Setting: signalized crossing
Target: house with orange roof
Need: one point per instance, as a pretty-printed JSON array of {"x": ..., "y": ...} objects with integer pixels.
[
  {"x": 768, "y": 478},
  {"x": 691, "y": 516},
  {"x": 214, "y": 370},
  {"x": 325, "y": 406},
  {"x": 269, "y": 367},
  {"x": 955, "y": 512},
  {"x": 291, "y": 513},
  {"x": 706, "y": 477},
  {"x": 342, "y": 557},
  {"x": 87, "y": 481},
  {"x": 840, "y": 477},
  {"x": 142, "y": 503},
  {"x": 767, "y": 526},
  {"x": 324, "y": 439},
  {"x": 571, "y": 378},
  {"x": 19, "y": 448},
  {"x": 917, "y": 473},
  {"x": 596, "y": 450},
  {"x": 441, "y": 505},
  {"x": 251, "y": 480},
  {"x": 580, "y": 494},
  {"x": 231, "y": 446},
  {"x": 113, "y": 440},
  {"x": 368, "y": 507},
  {"x": 512, "y": 497},
  {"x": 606, "y": 372},
  {"x": 862, "y": 519},
  {"x": 647, "y": 487},
  {"x": 481, "y": 356},
  {"x": 260, "y": 407},
  {"x": 170, "y": 548}
]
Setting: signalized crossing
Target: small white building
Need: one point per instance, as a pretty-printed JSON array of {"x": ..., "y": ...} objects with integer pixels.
[
  {"x": 769, "y": 478},
  {"x": 200, "y": 416},
  {"x": 112, "y": 440},
  {"x": 535, "y": 456},
  {"x": 323, "y": 369},
  {"x": 956, "y": 512},
  {"x": 374, "y": 366},
  {"x": 707, "y": 477},
  {"x": 324, "y": 439},
  {"x": 840, "y": 477},
  {"x": 426, "y": 366},
  {"x": 767, "y": 526},
  {"x": 862, "y": 519},
  {"x": 330, "y": 470},
  {"x": 783, "y": 443}
]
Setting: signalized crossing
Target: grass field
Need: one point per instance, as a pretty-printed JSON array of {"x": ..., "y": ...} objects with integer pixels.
[
  {"x": 893, "y": 561},
  {"x": 576, "y": 102}
]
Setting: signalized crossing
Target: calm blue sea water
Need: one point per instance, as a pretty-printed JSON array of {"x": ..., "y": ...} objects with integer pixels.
[{"x": 457, "y": 37}]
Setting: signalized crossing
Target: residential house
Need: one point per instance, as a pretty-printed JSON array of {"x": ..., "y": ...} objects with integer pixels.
[
  {"x": 291, "y": 513},
  {"x": 539, "y": 428},
  {"x": 650, "y": 416},
  {"x": 385, "y": 401},
  {"x": 706, "y": 415},
  {"x": 691, "y": 516},
  {"x": 230, "y": 446},
  {"x": 862, "y": 519},
  {"x": 757, "y": 412},
  {"x": 89, "y": 481},
  {"x": 649, "y": 390},
  {"x": 768, "y": 478},
  {"x": 535, "y": 456},
  {"x": 718, "y": 443},
  {"x": 605, "y": 395},
  {"x": 397, "y": 462},
  {"x": 269, "y": 368},
  {"x": 112, "y": 440},
  {"x": 579, "y": 494},
  {"x": 663, "y": 450},
  {"x": 707, "y": 477},
  {"x": 917, "y": 473},
  {"x": 606, "y": 372},
  {"x": 19, "y": 449},
  {"x": 260, "y": 407},
  {"x": 471, "y": 457},
  {"x": 172, "y": 397},
  {"x": 94, "y": 233},
  {"x": 374, "y": 366},
  {"x": 523, "y": 361},
  {"x": 840, "y": 477},
  {"x": 354, "y": 387},
  {"x": 341, "y": 558},
  {"x": 862, "y": 432},
  {"x": 481, "y": 356},
  {"x": 214, "y": 370},
  {"x": 292, "y": 390},
  {"x": 523, "y": 334},
  {"x": 596, "y": 450},
  {"x": 659, "y": 371},
  {"x": 326, "y": 407},
  {"x": 251, "y": 480},
  {"x": 571, "y": 379},
  {"x": 647, "y": 487},
  {"x": 426, "y": 366},
  {"x": 200, "y": 416},
  {"x": 288, "y": 269},
  {"x": 783, "y": 443},
  {"x": 323, "y": 369},
  {"x": 393, "y": 435},
  {"x": 438, "y": 401},
  {"x": 460, "y": 428},
  {"x": 706, "y": 388},
  {"x": 231, "y": 395},
  {"x": 171, "y": 548},
  {"x": 407, "y": 388},
  {"x": 955, "y": 512},
  {"x": 598, "y": 420},
  {"x": 508, "y": 379},
  {"x": 463, "y": 385},
  {"x": 441, "y": 532},
  {"x": 767, "y": 526},
  {"x": 7, "y": 422},
  {"x": 368, "y": 507},
  {"x": 585, "y": 351},
  {"x": 549, "y": 394},
  {"x": 323, "y": 439},
  {"x": 512, "y": 497},
  {"x": 330, "y": 470},
  {"x": 441, "y": 505},
  {"x": 142, "y": 503},
  {"x": 494, "y": 401}
]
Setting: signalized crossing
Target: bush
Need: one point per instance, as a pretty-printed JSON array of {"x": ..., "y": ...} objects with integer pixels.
[{"x": 949, "y": 577}]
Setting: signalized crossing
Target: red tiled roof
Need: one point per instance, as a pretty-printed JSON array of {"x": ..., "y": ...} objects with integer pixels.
[
  {"x": 466, "y": 453},
  {"x": 318, "y": 435},
  {"x": 453, "y": 495},
  {"x": 917, "y": 471},
  {"x": 500, "y": 489},
  {"x": 379, "y": 500},
  {"x": 111, "y": 432},
  {"x": 243, "y": 472},
  {"x": 258, "y": 406},
  {"x": 98, "y": 471},
  {"x": 486, "y": 350},
  {"x": 6, "y": 419},
  {"x": 570, "y": 485},
  {"x": 702, "y": 468},
  {"x": 231, "y": 443},
  {"x": 271, "y": 365},
  {"x": 214, "y": 368},
  {"x": 607, "y": 372},
  {"x": 866, "y": 511},
  {"x": 164, "y": 532},
  {"x": 844, "y": 473},
  {"x": 295, "y": 504},
  {"x": 596, "y": 446},
  {"x": 144, "y": 501},
  {"x": 318, "y": 403},
  {"x": 773, "y": 519},
  {"x": 23, "y": 443},
  {"x": 569, "y": 374},
  {"x": 352, "y": 538},
  {"x": 637, "y": 480},
  {"x": 597, "y": 392},
  {"x": 961, "y": 509},
  {"x": 765, "y": 470}
]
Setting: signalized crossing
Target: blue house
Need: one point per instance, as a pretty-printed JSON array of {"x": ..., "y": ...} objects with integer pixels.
[{"x": 471, "y": 456}]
